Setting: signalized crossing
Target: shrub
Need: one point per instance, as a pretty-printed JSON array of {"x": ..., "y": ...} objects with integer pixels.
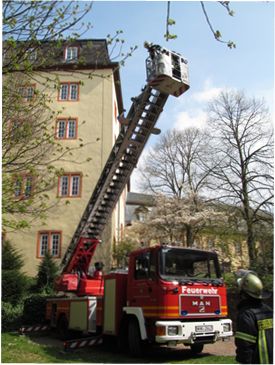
[
  {"x": 14, "y": 282},
  {"x": 11, "y": 316},
  {"x": 11, "y": 258},
  {"x": 34, "y": 309},
  {"x": 46, "y": 275},
  {"x": 121, "y": 252},
  {"x": 13, "y": 286},
  {"x": 230, "y": 280},
  {"x": 267, "y": 282}
]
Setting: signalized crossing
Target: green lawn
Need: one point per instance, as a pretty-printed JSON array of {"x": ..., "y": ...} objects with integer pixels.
[{"x": 24, "y": 349}]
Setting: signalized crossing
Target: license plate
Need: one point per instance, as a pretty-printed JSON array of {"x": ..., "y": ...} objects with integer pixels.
[{"x": 205, "y": 328}]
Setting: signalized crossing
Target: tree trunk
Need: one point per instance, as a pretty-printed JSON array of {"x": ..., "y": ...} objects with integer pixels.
[
  {"x": 251, "y": 244},
  {"x": 189, "y": 236}
]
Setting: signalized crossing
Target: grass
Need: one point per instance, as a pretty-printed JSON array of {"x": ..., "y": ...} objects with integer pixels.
[{"x": 25, "y": 349}]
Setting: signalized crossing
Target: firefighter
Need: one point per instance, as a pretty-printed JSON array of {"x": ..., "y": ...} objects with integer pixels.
[
  {"x": 98, "y": 270},
  {"x": 254, "y": 329}
]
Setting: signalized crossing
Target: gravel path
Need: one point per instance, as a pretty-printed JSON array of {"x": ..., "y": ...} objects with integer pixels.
[{"x": 220, "y": 348}]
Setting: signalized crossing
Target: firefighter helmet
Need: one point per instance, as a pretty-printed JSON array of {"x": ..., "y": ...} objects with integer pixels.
[{"x": 250, "y": 284}]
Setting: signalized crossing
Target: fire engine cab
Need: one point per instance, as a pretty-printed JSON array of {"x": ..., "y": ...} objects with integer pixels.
[{"x": 168, "y": 294}]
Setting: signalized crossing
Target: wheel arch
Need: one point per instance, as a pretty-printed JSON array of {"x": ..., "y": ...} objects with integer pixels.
[{"x": 137, "y": 313}]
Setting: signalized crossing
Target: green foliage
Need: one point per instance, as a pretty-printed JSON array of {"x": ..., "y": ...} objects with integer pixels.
[
  {"x": 268, "y": 282},
  {"x": 34, "y": 309},
  {"x": 11, "y": 316},
  {"x": 11, "y": 258},
  {"x": 217, "y": 34},
  {"x": 122, "y": 250},
  {"x": 13, "y": 286},
  {"x": 47, "y": 272},
  {"x": 14, "y": 282},
  {"x": 230, "y": 280}
]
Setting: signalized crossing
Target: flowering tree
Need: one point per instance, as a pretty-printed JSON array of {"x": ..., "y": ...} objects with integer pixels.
[{"x": 176, "y": 219}]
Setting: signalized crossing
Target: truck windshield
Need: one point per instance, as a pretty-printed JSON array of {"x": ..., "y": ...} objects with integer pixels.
[{"x": 188, "y": 264}]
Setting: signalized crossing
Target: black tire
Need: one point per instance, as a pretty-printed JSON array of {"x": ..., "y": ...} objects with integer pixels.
[
  {"x": 134, "y": 338},
  {"x": 196, "y": 348},
  {"x": 122, "y": 339},
  {"x": 63, "y": 327}
]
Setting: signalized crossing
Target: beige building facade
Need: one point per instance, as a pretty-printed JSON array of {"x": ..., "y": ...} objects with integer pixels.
[{"x": 86, "y": 103}]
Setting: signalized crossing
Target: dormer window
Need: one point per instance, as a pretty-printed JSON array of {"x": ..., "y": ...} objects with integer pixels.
[
  {"x": 71, "y": 53},
  {"x": 32, "y": 54}
]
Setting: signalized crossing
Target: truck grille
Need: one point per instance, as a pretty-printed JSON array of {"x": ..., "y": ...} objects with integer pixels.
[{"x": 199, "y": 305}]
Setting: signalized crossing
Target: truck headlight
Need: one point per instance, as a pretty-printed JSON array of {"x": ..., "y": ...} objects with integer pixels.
[
  {"x": 226, "y": 327},
  {"x": 173, "y": 330}
]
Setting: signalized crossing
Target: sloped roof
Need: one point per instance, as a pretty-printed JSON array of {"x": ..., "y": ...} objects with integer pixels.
[
  {"x": 140, "y": 199},
  {"x": 50, "y": 56}
]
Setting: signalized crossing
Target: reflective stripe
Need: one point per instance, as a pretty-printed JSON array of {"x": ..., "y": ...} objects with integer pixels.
[
  {"x": 265, "y": 324},
  {"x": 262, "y": 346},
  {"x": 246, "y": 337}
]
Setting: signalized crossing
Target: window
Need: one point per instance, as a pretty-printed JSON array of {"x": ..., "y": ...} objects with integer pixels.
[
  {"x": 71, "y": 53},
  {"x": 49, "y": 241},
  {"x": 20, "y": 129},
  {"x": 23, "y": 186},
  {"x": 15, "y": 129},
  {"x": 66, "y": 128},
  {"x": 27, "y": 92},
  {"x": 69, "y": 185},
  {"x": 68, "y": 91},
  {"x": 31, "y": 54},
  {"x": 142, "y": 265}
]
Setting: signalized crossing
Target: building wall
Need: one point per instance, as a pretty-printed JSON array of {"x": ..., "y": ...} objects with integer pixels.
[{"x": 97, "y": 128}]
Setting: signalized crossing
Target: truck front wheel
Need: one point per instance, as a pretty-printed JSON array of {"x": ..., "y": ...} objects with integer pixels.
[
  {"x": 134, "y": 338},
  {"x": 196, "y": 348}
]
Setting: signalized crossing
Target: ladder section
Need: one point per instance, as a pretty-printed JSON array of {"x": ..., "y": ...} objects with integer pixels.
[{"x": 135, "y": 131}]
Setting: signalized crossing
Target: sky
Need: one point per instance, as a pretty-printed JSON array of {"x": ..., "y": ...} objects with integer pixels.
[{"x": 213, "y": 67}]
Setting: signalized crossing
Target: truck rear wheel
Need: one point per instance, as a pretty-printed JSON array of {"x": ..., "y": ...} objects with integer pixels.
[
  {"x": 196, "y": 348},
  {"x": 63, "y": 327},
  {"x": 134, "y": 338}
]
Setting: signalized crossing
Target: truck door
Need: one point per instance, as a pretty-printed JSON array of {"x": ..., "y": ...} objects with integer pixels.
[{"x": 143, "y": 289}]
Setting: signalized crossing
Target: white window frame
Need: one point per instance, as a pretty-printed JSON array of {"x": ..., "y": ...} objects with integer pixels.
[
  {"x": 32, "y": 54},
  {"x": 70, "y": 185},
  {"x": 50, "y": 241},
  {"x": 68, "y": 91},
  {"x": 71, "y": 53},
  {"x": 27, "y": 92},
  {"x": 23, "y": 186},
  {"x": 69, "y": 128}
]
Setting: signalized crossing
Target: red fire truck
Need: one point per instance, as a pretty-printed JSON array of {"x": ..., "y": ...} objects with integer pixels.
[{"x": 168, "y": 295}]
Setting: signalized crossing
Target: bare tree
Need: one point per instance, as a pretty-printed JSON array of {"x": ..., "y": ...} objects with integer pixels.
[
  {"x": 176, "y": 167},
  {"x": 242, "y": 142}
]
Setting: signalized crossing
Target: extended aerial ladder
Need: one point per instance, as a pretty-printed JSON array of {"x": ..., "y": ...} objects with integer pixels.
[{"x": 167, "y": 74}]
